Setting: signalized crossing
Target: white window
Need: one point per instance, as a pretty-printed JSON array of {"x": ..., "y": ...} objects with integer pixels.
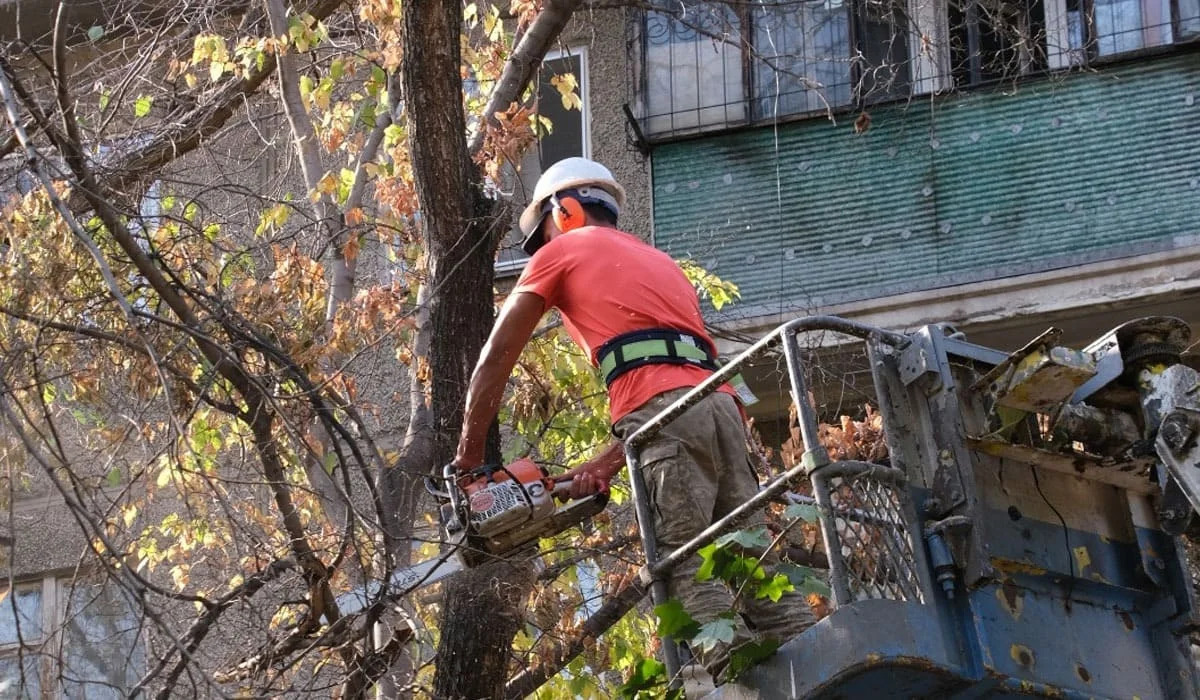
[
  {"x": 568, "y": 135},
  {"x": 694, "y": 74},
  {"x": 64, "y": 638}
]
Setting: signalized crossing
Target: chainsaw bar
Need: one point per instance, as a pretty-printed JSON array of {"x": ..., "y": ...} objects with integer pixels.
[
  {"x": 494, "y": 517},
  {"x": 402, "y": 582}
]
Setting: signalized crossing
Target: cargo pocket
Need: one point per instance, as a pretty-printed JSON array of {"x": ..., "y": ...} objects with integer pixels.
[{"x": 678, "y": 515}]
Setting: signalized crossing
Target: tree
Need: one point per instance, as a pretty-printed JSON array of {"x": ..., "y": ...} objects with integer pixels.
[
  {"x": 195, "y": 362},
  {"x": 234, "y": 334}
]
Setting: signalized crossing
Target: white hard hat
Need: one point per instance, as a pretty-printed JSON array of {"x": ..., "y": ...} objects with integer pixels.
[{"x": 566, "y": 174}]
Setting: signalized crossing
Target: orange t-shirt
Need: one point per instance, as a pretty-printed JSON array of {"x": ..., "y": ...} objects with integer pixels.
[{"x": 607, "y": 282}]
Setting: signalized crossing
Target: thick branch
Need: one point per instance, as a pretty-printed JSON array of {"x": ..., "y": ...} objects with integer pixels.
[{"x": 524, "y": 61}]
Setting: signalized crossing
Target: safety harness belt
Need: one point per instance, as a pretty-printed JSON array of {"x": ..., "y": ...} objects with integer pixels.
[
  {"x": 651, "y": 347},
  {"x": 663, "y": 346}
]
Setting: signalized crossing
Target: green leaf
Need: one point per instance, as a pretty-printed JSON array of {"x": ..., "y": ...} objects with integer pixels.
[
  {"x": 113, "y": 478},
  {"x": 647, "y": 674},
  {"x": 746, "y": 539},
  {"x": 104, "y": 99},
  {"x": 141, "y": 106},
  {"x": 674, "y": 621},
  {"x": 714, "y": 558},
  {"x": 719, "y": 631},
  {"x": 774, "y": 588},
  {"x": 805, "y": 511},
  {"x": 723, "y": 562},
  {"x": 812, "y": 584},
  {"x": 748, "y": 655},
  {"x": 95, "y": 32},
  {"x": 805, "y": 579}
]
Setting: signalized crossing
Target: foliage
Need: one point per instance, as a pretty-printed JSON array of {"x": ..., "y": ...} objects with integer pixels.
[
  {"x": 184, "y": 370},
  {"x": 719, "y": 292}
]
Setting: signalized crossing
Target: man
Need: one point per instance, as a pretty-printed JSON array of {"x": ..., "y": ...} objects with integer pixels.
[{"x": 631, "y": 309}]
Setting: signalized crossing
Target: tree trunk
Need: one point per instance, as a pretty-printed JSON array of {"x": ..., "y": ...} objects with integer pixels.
[{"x": 460, "y": 227}]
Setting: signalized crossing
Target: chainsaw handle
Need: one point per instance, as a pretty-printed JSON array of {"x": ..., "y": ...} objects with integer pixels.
[{"x": 561, "y": 488}]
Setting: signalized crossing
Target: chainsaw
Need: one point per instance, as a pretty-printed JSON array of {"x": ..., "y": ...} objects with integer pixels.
[{"x": 488, "y": 513}]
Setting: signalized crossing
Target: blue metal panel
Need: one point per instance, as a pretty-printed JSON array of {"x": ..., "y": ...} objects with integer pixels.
[{"x": 1045, "y": 175}]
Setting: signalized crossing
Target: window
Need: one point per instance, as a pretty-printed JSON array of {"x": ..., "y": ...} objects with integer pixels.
[
  {"x": 694, "y": 73},
  {"x": 992, "y": 40},
  {"x": 68, "y": 639},
  {"x": 1101, "y": 28},
  {"x": 712, "y": 65},
  {"x": 21, "y": 625},
  {"x": 708, "y": 65},
  {"x": 567, "y": 136}
]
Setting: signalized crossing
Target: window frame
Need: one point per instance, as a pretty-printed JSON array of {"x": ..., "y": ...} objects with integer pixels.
[
  {"x": 49, "y": 619},
  {"x": 514, "y": 265},
  {"x": 1065, "y": 56},
  {"x": 920, "y": 78},
  {"x": 56, "y": 593}
]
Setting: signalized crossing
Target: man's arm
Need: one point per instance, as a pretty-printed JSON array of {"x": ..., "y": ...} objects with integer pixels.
[
  {"x": 517, "y": 321},
  {"x": 595, "y": 474}
]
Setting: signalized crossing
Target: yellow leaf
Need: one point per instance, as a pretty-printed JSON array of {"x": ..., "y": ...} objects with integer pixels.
[
  {"x": 215, "y": 69},
  {"x": 190, "y": 79},
  {"x": 566, "y": 85},
  {"x": 327, "y": 184}
]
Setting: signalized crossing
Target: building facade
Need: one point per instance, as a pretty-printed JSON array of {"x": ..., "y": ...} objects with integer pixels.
[{"x": 999, "y": 166}]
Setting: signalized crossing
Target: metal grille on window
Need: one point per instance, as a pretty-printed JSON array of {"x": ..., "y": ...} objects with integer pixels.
[
  {"x": 802, "y": 62},
  {"x": 868, "y": 529},
  {"x": 1101, "y": 28},
  {"x": 995, "y": 40},
  {"x": 693, "y": 70}
]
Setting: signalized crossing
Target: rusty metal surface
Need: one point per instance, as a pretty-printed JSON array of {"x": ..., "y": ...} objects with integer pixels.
[
  {"x": 1132, "y": 475},
  {"x": 1043, "y": 379}
]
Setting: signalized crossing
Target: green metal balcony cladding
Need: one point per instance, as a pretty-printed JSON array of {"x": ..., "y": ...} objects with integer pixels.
[{"x": 1036, "y": 176}]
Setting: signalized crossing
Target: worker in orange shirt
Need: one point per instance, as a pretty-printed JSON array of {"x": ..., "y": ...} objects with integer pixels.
[{"x": 614, "y": 293}]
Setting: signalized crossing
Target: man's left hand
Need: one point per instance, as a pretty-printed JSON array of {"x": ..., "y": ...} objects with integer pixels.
[{"x": 591, "y": 477}]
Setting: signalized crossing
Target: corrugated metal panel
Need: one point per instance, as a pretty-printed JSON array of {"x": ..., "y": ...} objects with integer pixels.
[{"x": 986, "y": 185}]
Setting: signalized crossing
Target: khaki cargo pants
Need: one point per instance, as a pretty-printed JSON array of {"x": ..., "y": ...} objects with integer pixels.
[{"x": 697, "y": 470}]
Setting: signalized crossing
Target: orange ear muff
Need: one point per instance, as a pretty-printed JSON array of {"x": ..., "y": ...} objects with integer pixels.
[{"x": 568, "y": 214}]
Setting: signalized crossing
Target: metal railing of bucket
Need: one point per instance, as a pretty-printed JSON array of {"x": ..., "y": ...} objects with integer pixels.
[
  {"x": 868, "y": 529},
  {"x": 879, "y": 489}
]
